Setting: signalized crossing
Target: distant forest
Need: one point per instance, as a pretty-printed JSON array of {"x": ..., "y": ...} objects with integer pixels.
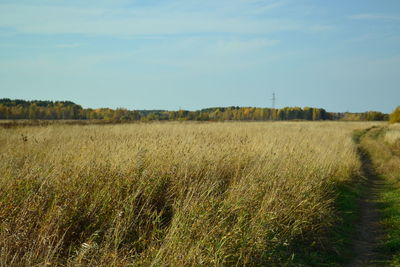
[{"x": 67, "y": 110}]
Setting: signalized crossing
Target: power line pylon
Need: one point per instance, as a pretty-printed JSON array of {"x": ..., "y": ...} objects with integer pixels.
[{"x": 273, "y": 99}]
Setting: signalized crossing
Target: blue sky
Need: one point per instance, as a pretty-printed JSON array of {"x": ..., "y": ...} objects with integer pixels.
[{"x": 147, "y": 54}]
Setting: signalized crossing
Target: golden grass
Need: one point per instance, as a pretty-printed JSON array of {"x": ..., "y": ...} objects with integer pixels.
[
  {"x": 169, "y": 194},
  {"x": 392, "y": 135},
  {"x": 383, "y": 145}
]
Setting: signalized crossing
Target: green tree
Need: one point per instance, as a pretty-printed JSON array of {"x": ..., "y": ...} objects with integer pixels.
[
  {"x": 33, "y": 111},
  {"x": 3, "y": 111},
  {"x": 308, "y": 113},
  {"x": 228, "y": 115},
  {"x": 281, "y": 115},
  {"x": 120, "y": 114},
  {"x": 316, "y": 115},
  {"x": 374, "y": 116},
  {"x": 152, "y": 116}
]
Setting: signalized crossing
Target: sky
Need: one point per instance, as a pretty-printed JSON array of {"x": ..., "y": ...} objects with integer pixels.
[{"x": 340, "y": 55}]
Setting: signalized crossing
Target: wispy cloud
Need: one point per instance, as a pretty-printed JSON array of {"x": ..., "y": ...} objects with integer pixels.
[
  {"x": 174, "y": 18},
  {"x": 368, "y": 16}
]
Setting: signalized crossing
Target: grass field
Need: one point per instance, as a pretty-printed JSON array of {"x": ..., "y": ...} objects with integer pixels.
[{"x": 173, "y": 194}]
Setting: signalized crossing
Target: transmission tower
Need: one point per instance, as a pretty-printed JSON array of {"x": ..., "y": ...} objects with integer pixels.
[{"x": 273, "y": 99}]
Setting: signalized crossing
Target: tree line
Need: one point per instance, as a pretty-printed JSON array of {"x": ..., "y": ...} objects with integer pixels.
[{"x": 67, "y": 110}]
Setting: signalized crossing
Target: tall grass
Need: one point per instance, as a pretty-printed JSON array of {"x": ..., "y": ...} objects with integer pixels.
[
  {"x": 170, "y": 194},
  {"x": 392, "y": 135}
]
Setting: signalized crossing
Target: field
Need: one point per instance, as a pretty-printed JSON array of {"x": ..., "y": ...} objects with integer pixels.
[{"x": 173, "y": 194}]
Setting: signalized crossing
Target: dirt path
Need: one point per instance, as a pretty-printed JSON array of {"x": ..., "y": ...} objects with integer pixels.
[{"x": 368, "y": 231}]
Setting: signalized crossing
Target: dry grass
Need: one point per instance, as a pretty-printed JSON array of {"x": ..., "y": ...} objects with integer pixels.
[
  {"x": 169, "y": 193},
  {"x": 392, "y": 135}
]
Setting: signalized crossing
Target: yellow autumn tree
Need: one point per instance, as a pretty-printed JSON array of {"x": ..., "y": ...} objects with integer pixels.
[{"x": 395, "y": 116}]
